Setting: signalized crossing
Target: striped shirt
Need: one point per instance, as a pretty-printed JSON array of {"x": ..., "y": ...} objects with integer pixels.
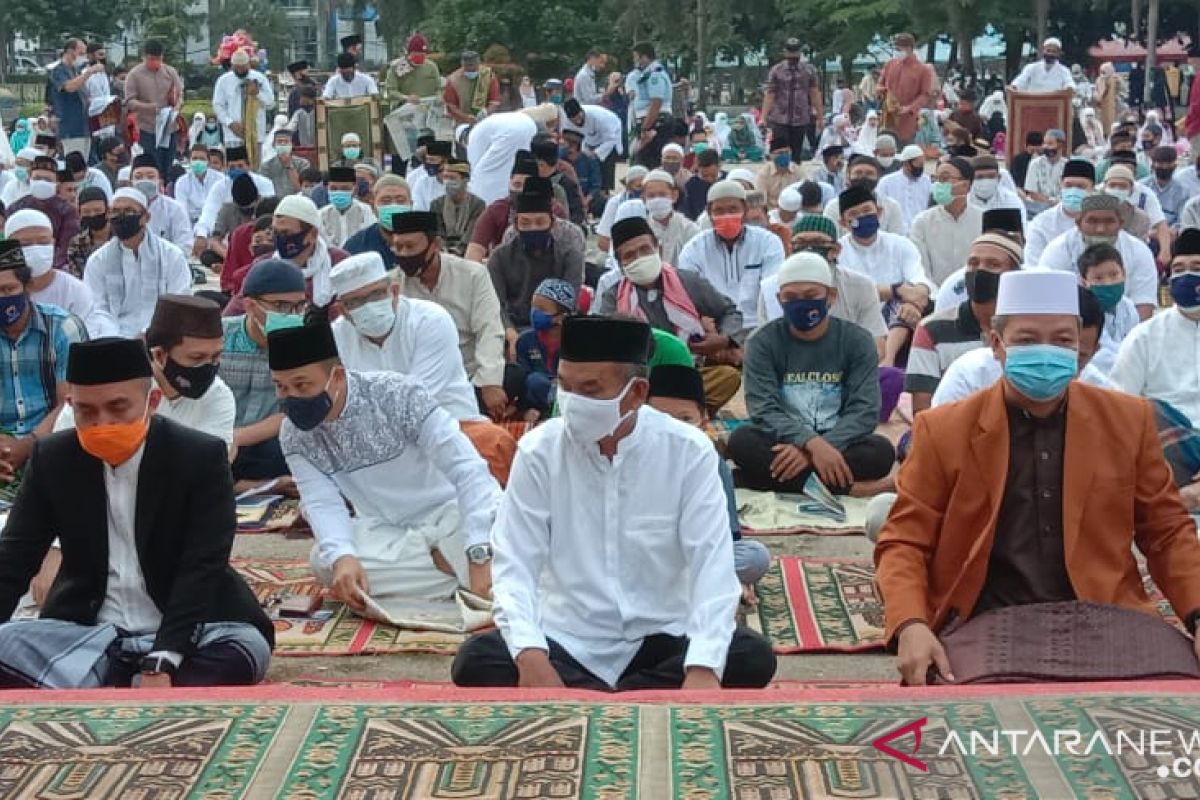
[
  {"x": 244, "y": 368},
  {"x": 939, "y": 339},
  {"x": 34, "y": 364}
]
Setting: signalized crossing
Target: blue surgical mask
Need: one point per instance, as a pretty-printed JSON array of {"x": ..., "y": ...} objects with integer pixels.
[
  {"x": 1185, "y": 291},
  {"x": 806, "y": 314},
  {"x": 866, "y": 226},
  {"x": 278, "y": 322},
  {"x": 540, "y": 320},
  {"x": 352, "y": 153},
  {"x": 1072, "y": 199},
  {"x": 21, "y": 174},
  {"x": 290, "y": 245},
  {"x": 235, "y": 172},
  {"x": 633, "y": 194},
  {"x": 362, "y": 187},
  {"x": 341, "y": 198},
  {"x": 1040, "y": 371},
  {"x": 783, "y": 160},
  {"x": 471, "y": 74},
  {"x": 307, "y": 413},
  {"x": 536, "y": 240}
]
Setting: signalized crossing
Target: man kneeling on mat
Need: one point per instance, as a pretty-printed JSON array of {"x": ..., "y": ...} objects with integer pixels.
[
  {"x": 613, "y": 561},
  {"x": 145, "y": 516},
  {"x": 1016, "y": 516}
]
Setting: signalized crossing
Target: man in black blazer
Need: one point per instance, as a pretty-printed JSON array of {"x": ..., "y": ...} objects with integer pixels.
[{"x": 144, "y": 512}]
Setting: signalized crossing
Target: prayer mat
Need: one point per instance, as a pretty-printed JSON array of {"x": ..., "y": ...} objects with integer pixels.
[
  {"x": 1118, "y": 741},
  {"x": 334, "y": 630},
  {"x": 829, "y": 605},
  {"x": 269, "y": 515},
  {"x": 777, "y": 514}
]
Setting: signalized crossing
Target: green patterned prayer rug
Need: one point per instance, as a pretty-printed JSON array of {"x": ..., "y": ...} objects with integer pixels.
[
  {"x": 814, "y": 605},
  {"x": 1086, "y": 741}
]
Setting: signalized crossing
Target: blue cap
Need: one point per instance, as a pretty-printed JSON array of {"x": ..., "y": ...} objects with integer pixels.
[{"x": 273, "y": 276}]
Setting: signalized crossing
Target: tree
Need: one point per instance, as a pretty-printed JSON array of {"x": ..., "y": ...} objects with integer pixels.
[
  {"x": 265, "y": 21},
  {"x": 169, "y": 21}
]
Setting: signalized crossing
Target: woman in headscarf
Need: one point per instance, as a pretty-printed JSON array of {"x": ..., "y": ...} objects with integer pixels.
[
  {"x": 1105, "y": 94},
  {"x": 720, "y": 129},
  {"x": 864, "y": 143},
  {"x": 268, "y": 144},
  {"x": 742, "y": 144},
  {"x": 21, "y": 134},
  {"x": 196, "y": 128},
  {"x": 836, "y": 133},
  {"x": 212, "y": 135},
  {"x": 928, "y": 133},
  {"x": 1093, "y": 131},
  {"x": 994, "y": 104}
]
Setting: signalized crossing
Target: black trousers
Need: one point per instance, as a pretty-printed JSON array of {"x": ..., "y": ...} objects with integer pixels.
[
  {"x": 484, "y": 661},
  {"x": 869, "y": 458},
  {"x": 608, "y": 171},
  {"x": 260, "y": 462},
  {"x": 514, "y": 386},
  {"x": 650, "y": 154},
  {"x": 794, "y": 136}
]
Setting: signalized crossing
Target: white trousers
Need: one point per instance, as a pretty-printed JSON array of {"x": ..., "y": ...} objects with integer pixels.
[{"x": 398, "y": 560}]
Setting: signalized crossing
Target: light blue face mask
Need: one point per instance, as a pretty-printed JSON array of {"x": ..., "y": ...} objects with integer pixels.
[
  {"x": 340, "y": 198},
  {"x": 1041, "y": 372}
]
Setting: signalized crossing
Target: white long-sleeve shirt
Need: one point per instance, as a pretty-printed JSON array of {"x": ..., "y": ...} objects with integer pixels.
[
  {"x": 336, "y": 88},
  {"x": 1141, "y": 274},
  {"x": 736, "y": 273},
  {"x": 395, "y": 456},
  {"x": 228, "y": 101},
  {"x": 192, "y": 192},
  {"x": 1044, "y": 229},
  {"x": 943, "y": 240},
  {"x": 220, "y": 193},
  {"x": 911, "y": 195},
  {"x": 978, "y": 369},
  {"x": 1042, "y": 77},
  {"x": 601, "y": 130},
  {"x": 169, "y": 220},
  {"x": 1160, "y": 358},
  {"x": 425, "y": 191},
  {"x": 423, "y": 344},
  {"x": 338, "y": 226},
  {"x": 127, "y": 284},
  {"x": 1118, "y": 324},
  {"x": 71, "y": 294},
  {"x": 598, "y": 554},
  {"x": 887, "y": 260}
]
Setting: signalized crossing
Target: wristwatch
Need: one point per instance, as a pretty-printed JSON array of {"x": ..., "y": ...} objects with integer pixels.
[
  {"x": 156, "y": 665},
  {"x": 479, "y": 554}
]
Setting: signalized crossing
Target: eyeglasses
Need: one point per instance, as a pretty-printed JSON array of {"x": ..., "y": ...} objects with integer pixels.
[
  {"x": 284, "y": 307},
  {"x": 351, "y": 304}
]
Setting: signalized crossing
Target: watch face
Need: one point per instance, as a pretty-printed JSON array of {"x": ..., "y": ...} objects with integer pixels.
[{"x": 479, "y": 554}]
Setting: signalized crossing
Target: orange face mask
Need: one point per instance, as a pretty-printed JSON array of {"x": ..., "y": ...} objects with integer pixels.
[{"x": 114, "y": 444}]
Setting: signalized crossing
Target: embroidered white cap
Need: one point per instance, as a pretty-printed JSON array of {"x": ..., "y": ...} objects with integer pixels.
[
  {"x": 26, "y": 218},
  {"x": 790, "y": 200},
  {"x": 1038, "y": 291},
  {"x": 130, "y": 193},
  {"x": 357, "y": 271},
  {"x": 805, "y": 268},
  {"x": 299, "y": 207}
]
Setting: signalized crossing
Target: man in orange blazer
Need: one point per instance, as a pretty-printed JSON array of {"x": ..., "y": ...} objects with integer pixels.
[{"x": 1032, "y": 491}]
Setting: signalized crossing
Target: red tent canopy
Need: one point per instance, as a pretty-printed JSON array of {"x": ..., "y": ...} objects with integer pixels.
[{"x": 1119, "y": 50}]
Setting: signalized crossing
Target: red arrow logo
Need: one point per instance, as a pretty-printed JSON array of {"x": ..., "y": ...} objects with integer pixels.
[{"x": 881, "y": 744}]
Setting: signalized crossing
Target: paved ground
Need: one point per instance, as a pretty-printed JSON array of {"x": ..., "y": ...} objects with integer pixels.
[{"x": 437, "y": 668}]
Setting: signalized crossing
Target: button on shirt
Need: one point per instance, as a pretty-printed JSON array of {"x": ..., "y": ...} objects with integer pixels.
[
  {"x": 1027, "y": 562},
  {"x": 127, "y": 604},
  {"x": 598, "y": 554}
]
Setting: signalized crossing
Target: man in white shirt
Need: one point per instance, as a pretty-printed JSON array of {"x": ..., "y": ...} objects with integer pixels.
[
  {"x": 192, "y": 188},
  {"x": 423, "y": 498},
  {"x": 733, "y": 256},
  {"x": 144, "y": 512},
  {"x": 602, "y": 133},
  {"x": 348, "y": 82},
  {"x": 1045, "y": 174},
  {"x": 1078, "y": 180},
  {"x": 18, "y": 187},
  {"x": 613, "y": 560},
  {"x": 987, "y": 192},
  {"x": 380, "y": 330},
  {"x": 32, "y": 231},
  {"x": 672, "y": 229},
  {"x": 893, "y": 264},
  {"x": 909, "y": 186},
  {"x": 1100, "y": 221},
  {"x": 185, "y": 340},
  {"x": 168, "y": 218},
  {"x": 229, "y": 101},
  {"x": 345, "y": 215},
  {"x": 1046, "y": 75},
  {"x": 943, "y": 234},
  {"x": 221, "y": 192},
  {"x": 130, "y": 271},
  {"x": 866, "y": 171}
]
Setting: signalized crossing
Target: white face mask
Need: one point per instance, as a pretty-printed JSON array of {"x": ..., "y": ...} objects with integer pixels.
[
  {"x": 39, "y": 258},
  {"x": 42, "y": 190},
  {"x": 588, "y": 419},
  {"x": 374, "y": 319},
  {"x": 147, "y": 187},
  {"x": 985, "y": 188},
  {"x": 645, "y": 270},
  {"x": 886, "y": 161},
  {"x": 659, "y": 207}
]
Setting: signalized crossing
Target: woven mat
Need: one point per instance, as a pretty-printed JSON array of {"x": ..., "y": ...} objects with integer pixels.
[
  {"x": 281, "y": 516},
  {"x": 770, "y": 514},
  {"x": 340, "y": 632},
  {"x": 416, "y": 744},
  {"x": 829, "y": 605}
]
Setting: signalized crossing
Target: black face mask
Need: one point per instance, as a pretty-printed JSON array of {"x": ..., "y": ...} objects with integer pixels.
[
  {"x": 127, "y": 226},
  {"x": 982, "y": 286},
  {"x": 191, "y": 382},
  {"x": 413, "y": 265},
  {"x": 1050, "y": 153},
  {"x": 1165, "y": 174},
  {"x": 94, "y": 222},
  {"x": 866, "y": 183}
]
